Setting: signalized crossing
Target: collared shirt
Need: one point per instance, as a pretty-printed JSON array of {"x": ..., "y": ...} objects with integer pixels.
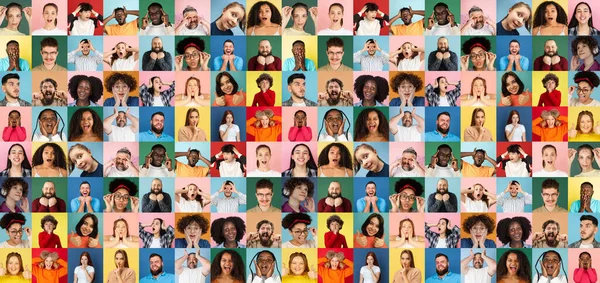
[
  {"x": 523, "y": 61},
  {"x": 594, "y": 206},
  {"x": 290, "y": 102},
  {"x": 162, "y": 278},
  {"x": 436, "y": 136},
  {"x": 451, "y": 240},
  {"x": 150, "y": 136},
  {"x": 165, "y": 95},
  {"x": 4, "y": 64},
  {"x": 449, "y": 278},
  {"x": 543, "y": 209},
  {"x": 510, "y": 204},
  {"x": 227, "y": 204},
  {"x": 21, "y": 102},
  {"x": 574, "y": 31},
  {"x": 166, "y": 240},
  {"x": 84, "y": 63}
]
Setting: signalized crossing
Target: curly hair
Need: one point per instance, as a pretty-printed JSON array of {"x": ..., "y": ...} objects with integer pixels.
[
  {"x": 12, "y": 217},
  {"x": 539, "y": 18},
  {"x": 477, "y": 41},
  {"x": 238, "y": 272},
  {"x": 75, "y": 130},
  {"x": 187, "y": 42},
  {"x": 218, "y": 83},
  {"x": 504, "y": 90},
  {"x": 487, "y": 221},
  {"x": 335, "y": 218},
  {"x": 264, "y": 77},
  {"x": 504, "y": 226},
  {"x": 126, "y": 78},
  {"x": 290, "y": 185},
  {"x": 408, "y": 183},
  {"x": 253, "y": 14},
  {"x": 409, "y": 77},
  {"x": 130, "y": 186},
  {"x": 574, "y": 22},
  {"x": 590, "y": 77},
  {"x": 94, "y": 233},
  {"x": 381, "y": 83},
  {"x": 591, "y": 43},
  {"x": 551, "y": 77},
  {"x": 216, "y": 229},
  {"x": 49, "y": 218},
  {"x": 361, "y": 130},
  {"x": 96, "y": 87},
  {"x": 11, "y": 182},
  {"x": 524, "y": 272},
  {"x": 310, "y": 164},
  {"x": 24, "y": 164},
  {"x": 345, "y": 156},
  {"x": 185, "y": 221},
  {"x": 363, "y": 228},
  {"x": 291, "y": 219}
]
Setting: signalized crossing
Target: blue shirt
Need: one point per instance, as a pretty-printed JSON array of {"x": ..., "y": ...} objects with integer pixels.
[
  {"x": 163, "y": 277},
  {"x": 524, "y": 61},
  {"x": 181, "y": 243},
  {"x": 468, "y": 243},
  {"x": 150, "y": 136},
  {"x": 594, "y": 206},
  {"x": 435, "y": 136},
  {"x": 449, "y": 278},
  {"x": 238, "y": 62},
  {"x": 417, "y": 101},
  {"x": 131, "y": 101},
  {"x": 385, "y": 172},
  {"x": 215, "y": 31},
  {"x": 4, "y": 63},
  {"x": 361, "y": 204},
  {"x": 289, "y": 64},
  {"x": 95, "y": 205},
  {"x": 99, "y": 172}
]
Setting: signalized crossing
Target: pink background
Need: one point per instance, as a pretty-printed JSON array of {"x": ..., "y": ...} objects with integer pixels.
[
  {"x": 111, "y": 148},
  {"x": 288, "y": 121},
  {"x": 323, "y": 14},
  {"x": 488, "y": 7},
  {"x": 501, "y": 216},
  {"x": 574, "y": 258},
  {"x": 468, "y": 76},
  {"x": 561, "y": 155},
  {"x": 131, "y": 218},
  {"x": 109, "y": 42},
  {"x": 215, "y": 216},
  {"x": 397, "y": 148},
  {"x": 25, "y": 120},
  {"x": 204, "y": 183},
  {"x": 417, "y": 219},
  {"x": 276, "y": 155},
  {"x": 181, "y": 78},
  {"x": 453, "y": 77},
  {"x": 488, "y": 183},
  {"x": 6, "y": 146},
  {"x": 286, "y": 153},
  {"x": 397, "y": 41},
  {"x": 203, "y": 9},
  {"x": 435, "y": 218},
  {"x": 595, "y": 6},
  {"x": 37, "y": 19},
  {"x": 164, "y": 76}
]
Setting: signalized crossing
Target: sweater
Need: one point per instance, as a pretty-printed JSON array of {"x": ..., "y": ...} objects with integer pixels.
[
  {"x": 265, "y": 134},
  {"x": 539, "y": 65},
  {"x": 45, "y": 275},
  {"x": 266, "y": 98},
  {"x": 300, "y": 134},
  {"x": 550, "y": 98},
  {"x": 345, "y": 207},
  {"x": 550, "y": 134},
  {"x": 335, "y": 241},
  {"x": 49, "y": 240},
  {"x": 60, "y": 206},
  {"x": 585, "y": 275},
  {"x": 12, "y": 134},
  {"x": 335, "y": 276}
]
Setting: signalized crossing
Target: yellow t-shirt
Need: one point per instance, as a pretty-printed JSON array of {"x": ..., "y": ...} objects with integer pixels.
[
  {"x": 129, "y": 28},
  {"x": 184, "y": 170},
  {"x": 470, "y": 170},
  {"x": 415, "y": 28}
]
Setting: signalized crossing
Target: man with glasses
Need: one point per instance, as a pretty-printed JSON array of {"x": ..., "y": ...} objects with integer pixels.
[
  {"x": 264, "y": 196},
  {"x": 265, "y": 269},
  {"x": 478, "y": 273},
  {"x": 228, "y": 203},
  {"x": 334, "y": 122},
  {"x": 264, "y": 60},
  {"x": 122, "y": 191},
  {"x": 49, "y": 53},
  {"x": 550, "y": 60},
  {"x": 371, "y": 61},
  {"x": 335, "y": 54},
  {"x": 550, "y": 194},
  {"x": 191, "y": 271},
  {"x": 371, "y": 202},
  {"x": 264, "y": 237}
]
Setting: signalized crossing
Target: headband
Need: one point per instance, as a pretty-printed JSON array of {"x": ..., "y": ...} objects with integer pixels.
[
  {"x": 584, "y": 79},
  {"x": 478, "y": 45},
  {"x": 407, "y": 186},
  {"x": 191, "y": 44},
  {"x": 15, "y": 221},
  {"x": 299, "y": 221},
  {"x": 121, "y": 186}
]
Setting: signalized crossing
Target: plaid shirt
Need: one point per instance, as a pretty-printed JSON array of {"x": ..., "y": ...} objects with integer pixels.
[
  {"x": 451, "y": 240},
  {"x": 26, "y": 172},
  {"x": 166, "y": 240},
  {"x": 434, "y": 99},
  {"x": 290, "y": 102},
  {"x": 165, "y": 95},
  {"x": 593, "y": 31}
]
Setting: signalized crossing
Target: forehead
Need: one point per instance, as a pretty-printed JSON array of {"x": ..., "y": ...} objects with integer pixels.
[{"x": 334, "y": 113}]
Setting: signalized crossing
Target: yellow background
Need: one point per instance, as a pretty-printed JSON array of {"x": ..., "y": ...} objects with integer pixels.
[
  {"x": 61, "y": 228},
  {"x": 203, "y": 120},
  {"x": 24, "y": 47},
  {"x": 418, "y": 257},
  {"x": 252, "y": 86},
  {"x": 346, "y": 228},
  {"x": 490, "y": 120},
  {"x": 310, "y": 46},
  {"x": 132, "y": 258},
  {"x": 538, "y": 88}
]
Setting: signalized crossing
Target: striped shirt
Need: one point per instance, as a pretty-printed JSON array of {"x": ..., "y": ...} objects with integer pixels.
[
  {"x": 85, "y": 63},
  {"x": 371, "y": 63},
  {"x": 227, "y": 204},
  {"x": 166, "y": 240},
  {"x": 510, "y": 204}
]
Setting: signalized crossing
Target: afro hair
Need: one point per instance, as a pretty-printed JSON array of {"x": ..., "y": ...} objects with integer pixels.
[
  {"x": 290, "y": 220},
  {"x": 406, "y": 183},
  {"x": 588, "y": 76},
  {"x": 130, "y": 186},
  {"x": 190, "y": 42},
  {"x": 476, "y": 41}
]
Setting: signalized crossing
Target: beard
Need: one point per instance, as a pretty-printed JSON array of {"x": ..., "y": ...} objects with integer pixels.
[
  {"x": 443, "y": 131},
  {"x": 407, "y": 167},
  {"x": 156, "y": 272},
  {"x": 158, "y": 50},
  {"x": 439, "y": 191},
  {"x": 407, "y": 123},
  {"x": 156, "y": 191},
  {"x": 265, "y": 53},
  {"x": 155, "y": 130},
  {"x": 121, "y": 167},
  {"x": 50, "y": 195},
  {"x": 48, "y": 97},
  {"x": 551, "y": 239},
  {"x": 265, "y": 239},
  {"x": 550, "y": 54},
  {"x": 441, "y": 272},
  {"x": 443, "y": 49},
  {"x": 334, "y": 195},
  {"x": 336, "y": 100},
  {"x": 478, "y": 25}
]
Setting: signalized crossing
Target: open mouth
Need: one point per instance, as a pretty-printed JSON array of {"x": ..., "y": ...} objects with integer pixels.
[{"x": 334, "y": 160}]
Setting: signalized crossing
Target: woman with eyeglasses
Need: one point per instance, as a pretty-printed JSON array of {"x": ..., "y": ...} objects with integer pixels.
[
  {"x": 297, "y": 224},
  {"x": 477, "y": 49},
  {"x": 586, "y": 83},
  {"x": 122, "y": 192},
  {"x": 14, "y": 224},
  {"x": 407, "y": 191},
  {"x": 192, "y": 50},
  {"x": 192, "y": 226}
]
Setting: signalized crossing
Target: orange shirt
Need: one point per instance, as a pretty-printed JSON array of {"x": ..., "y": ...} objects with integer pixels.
[
  {"x": 48, "y": 276},
  {"x": 85, "y": 240},
  {"x": 415, "y": 28},
  {"x": 470, "y": 170},
  {"x": 184, "y": 170},
  {"x": 335, "y": 276},
  {"x": 229, "y": 100},
  {"x": 272, "y": 133},
  {"x": 551, "y": 134},
  {"x": 129, "y": 28}
]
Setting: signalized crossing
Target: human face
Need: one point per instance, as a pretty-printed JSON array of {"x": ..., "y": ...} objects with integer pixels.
[
  {"x": 585, "y": 159},
  {"x": 264, "y": 85},
  {"x": 406, "y": 17},
  {"x": 226, "y": 85},
  {"x": 264, "y": 196},
  {"x": 84, "y": 189},
  {"x": 370, "y": 190},
  {"x": 192, "y": 17},
  {"x": 48, "y": 91},
  {"x": 479, "y": 158},
  {"x": 583, "y": 51},
  {"x": 512, "y": 85},
  {"x": 585, "y": 124},
  {"x": 373, "y": 227},
  {"x": 334, "y": 120},
  {"x": 550, "y": 121},
  {"x": 550, "y": 196},
  {"x": 478, "y": 18},
  {"x": 298, "y": 49},
  {"x": 407, "y": 119},
  {"x": 119, "y": 260},
  {"x": 228, "y": 48},
  {"x": 192, "y": 261},
  {"x": 48, "y": 190},
  {"x": 477, "y": 261},
  {"x": 551, "y": 232},
  {"x": 16, "y": 155},
  {"x": 406, "y": 49},
  {"x": 121, "y": 197},
  {"x": 232, "y": 16},
  {"x": 192, "y": 190},
  {"x": 550, "y": 48},
  {"x": 13, "y": 17},
  {"x": 300, "y": 193},
  {"x": 550, "y": 85},
  {"x": 193, "y": 231},
  {"x": 478, "y": 192},
  {"x": 49, "y": 15},
  {"x": 15, "y": 232},
  {"x": 334, "y": 263},
  {"x": 120, "y": 89},
  {"x": 550, "y": 14},
  {"x": 517, "y": 17},
  {"x": 479, "y": 118},
  {"x": 443, "y": 123},
  {"x": 155, "y": 15},
  {"x": 229, "y": 119},
  {"x": 442, "y": 186},
  {"x": 442, "y": 44},
  {"x": 265, "y": 231},
  {"x": 371, "y": 15},
  {"x": 441, "y": 265},
  {"x": 120, "y": 17},
  {"x": 49, "y": 54},
  {"x": 192, "y": 57},
  {"x": 586, "y": 191},
  {"x": 48, "y": 155},
  {"x": 121, "y": 120},
  {"x": 158, "y": 123},
  {"x": 264, "y": 121},
  {"x": 48, "y": 120},
  {"x": 369, "y": 160},
  {"x": 84, "y": 260},
  {"x": 512, "y": 263},
  {"x": 408, "y": 161},
  {"x": 300, "y": 233},
  {"x": 299, "y": 16},
  {"x": 515, "y": 231},
  {"x": 371, "y": 49},
  {"x": 370, "y": 260},
  {"x": 513, "y": 190},
  {"x": 373, "y": 122},
  {"x": 14, "y": 119},
  {"x": 336, "y": 14},
  {"x": 15, "y": 192},
  {"x": 121, "y": 50},
  {"x": 193, "y": 118},
  {"x": 514, "y": 48},
  {"x": 193, "y": 88},
  {"x": 82, "y": 158},
  {"x": 335, "y": 54},
  {"x": 442, "y": 226},
  {"x": 479, "y": 231},
  {"x": 14, "y": 265},
  {"x": 334, "y": 155},
  {"x": 298, "y": 88},
  {"x": 584, "y": 92},
  {"x": 297, "y": 267},
  {"x": 585, "y": 260},
  {"x": 229, "y": 231},
  {"x": 87, "y": 122},
  {"x": 444, "y": 156},
  {"x": 121, "y": 229},
  {"x": 84, "y": 89},
  {"x": 515, "y": 119},
  {"x": 549, "y": 156},
  {"x": 370, "y": 90},
  {"x": 407, "y": 89},
  {"x": 87, "y": 227},
  {"x": 583, "y": 13},
  {"x": 156, "y": 186},
  {"x": 265, "y": 260},
  {"x": 228, "y": 190},
  {"x": 478, "y": 57},
  {"x": 301, "y": 155},
  {"x": 405, "y": 260},
  {"x": 156, "y": 265},
  {"x": 441, "y": 15},
  {"x": 478, "y": 88},
  {"x": 264, "y": 48},
  {"x": 85, "y": 15},
  {"x": 587, "y": 229},
  {"x": 334, "y": 226},
  {"x": 407, "y": 199},
  {"x": 157, "y": 45},
  {"x": 12, "y": 88},
  {"x": 264, "y": 14},
  {"x": 334, "y": 190},
  {"x": 263, "y": 156}
]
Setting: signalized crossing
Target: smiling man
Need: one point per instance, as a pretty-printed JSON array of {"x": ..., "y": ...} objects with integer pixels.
[
  {"x": 157, "y": 274},
  {"x": 443, "y": 274},
  {"x": 49, "y": 95},
  {"x": 156, "y": 132},
  {"x": 550, "y": 60},
  {"x": 550, "y": 194},
  {"x": 157, "y": 59},
  {"x": 334, "y": 201},
  {"x": 156, "y": 200},
  {"x": 122, "y": 27},
  {"x": 228, "y": 203},
  {"x": 371, "y": 203},
  {"x": 514, "y": 61},
  {"x": 48, "y": 202},
  {"x": 442, "y": 132},
  {"x": 264, "y": 237},
  {"x": 442, "y": 200},
  {"x": 49, "y": 52}
]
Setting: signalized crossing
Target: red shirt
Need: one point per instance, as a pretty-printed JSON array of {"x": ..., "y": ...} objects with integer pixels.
[
  {"x": 49, "y": 241},
  {"x": 550, "y": 99},
  {"x": 264, "y": 98},
  {"x": 335, "y": 241}
]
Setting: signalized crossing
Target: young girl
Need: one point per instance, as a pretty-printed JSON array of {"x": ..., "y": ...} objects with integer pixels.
[
  {"x": 297, "y": 224},
  {"x": 371, "y": 233},
  {"x": 514, "y": 131},
  {"x": 17, "y": 163},
  {"x": 13, "y": 12},
  {"x": 192, "y": 50},
  {"x": 586, "y": 155},
  {"x": 227, "y": 93},
  {"x": 300, "y": 132},
  {"x": 335, "y": 161},
  {"x": 47, "y": 238},
  {"x": 371, "y": 126},
  {"x": 478, "y": 50},
  {"x": 478, "y": 96},
  {"x": 120, "y": 237},
  {"x": 552, "y": 95},
  {"x": 406, "y": 237},
  {"x": 85, "y": 126},
  {"x": 49, "y": 161},
  {"x": 298, "y": 271},
  {"x": 584, "y": 49},
  {"x": 512, "y": 163},
  {"x": 550, "y": 126},
  {"x": 263, "y": 159},
  {"x": 477, "y": 132},
  {"x": 264, "y": 126},
  {"x": 549, "y": 19},
  {"x": 152, "y": 95},
  {"x": 14, "y": 191},
  {"x": 370, "y": 272},
  {"x": 81, "y": 157},
  {"x": 333, "y": 238},
  {"x": 439, "y": 95},
  {"x": 264, "y": 19},
  {"x": 513, "y": 91},
  {"x": 299, "y": 192},
  {"x": 335, "y": 267},
  {"x": 85, "y": 91},
  {"x": 228, "y": 131},
  {"x": 586, "y": 83},
  {"x": 586, "y": 129},
  {"x": 581, "y": 21},
  {"x": 122, "y": 57},
  {"x": 366, "y": 156},
  {"x": 408, "y": 57},
  {"x": 370, "y": 24},
  {"x": 477, "y": 198},
  {"x": 549, "y": 158},
  {"x": 371, "y": 90},
  {"x": 50, "y": 15},
  {"x": 229, "y": 161},
  {"x": 191, "y": 198},
  {"x": 191, "y": 132},
  {"x": 336, "y": 21},
  {"x": 518, "y": 15},
  {"x": 86, "y": 233},
  {"x": 302, "y": 163},
  {"x": 234, "y": 14},
  {"x": 299, "y": 12},
  {"x": 14, "y": 224},
  {"x": 86, "y": 270},
  {"x": 192, "y": 96}
]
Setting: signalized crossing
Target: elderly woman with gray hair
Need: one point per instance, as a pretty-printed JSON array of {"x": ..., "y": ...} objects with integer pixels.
[
  {"x": 335, "y": 267},
  {"x": 264, "y": 126},
  {"x": 550, "y": 126}
]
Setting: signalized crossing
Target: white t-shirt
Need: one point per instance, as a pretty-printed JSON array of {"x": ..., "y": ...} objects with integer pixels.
[
  {"x": 192, "y": 275},
  {"x": 307, "y": 244},
  {"x": 446, "y": 29},
  {"x": 441, "y": 243},
  {"x": 16, "y": 104},
  {"x": 81, "y": 277},
  {"x": 230, "y": 169},
  {"x": 368, "y": 27},
  {"x": 114, "y": 172},
  {"x": 55, "y": 31},
  {"x": 410, "y": 134},
  {"x": 544, "y": 173},
  {"x": 413, "y": 64},
  {"x": 124, "y": 134},
  {"x": 199, "y": 30},
  {"x": 38, "y": 137},
  {"x": 475, "y": 205},
  {"x": 232, "y": 134},
  {"x": 593, "y": 173},
  {"x": 516, "y": 169},
  {"x": 341, "y": 31},
  {"x": 444, "y": 101},
  {"x": 158, "y": 101},
  {"x": 157, "y": 30},
  {"x": 399, "y": 172},
  {"x": 83, "y": 27},
  {"x": 155, "y": 243},
  {"x": 478, "y": 275},
  {"x": 517, "y": 134},
  {"x": 485, "y": 30},
  {"x": 440, "y": 171},
  {"x": 582, "y": 246},
  {"x": 152, "y": 171},
  {"x": 269, "y": 173},
  {"x": 189, "y": 205},
  {"x": 367, "y": 275},
  {"x": 129, "y": 64},
  {"x": 575, "y": 102}
]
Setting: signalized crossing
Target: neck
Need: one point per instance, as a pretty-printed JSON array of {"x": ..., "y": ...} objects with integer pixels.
[
  {"x": 11, "y": 99},
  {"x": 157, "y": 234},
  {"x": 297, "y": 99},
  {"x": 517, "y": 244},
  {"x": 294, "y": 203},
  {"x": 220, "y": 25},
  {"x": 264, "y": 168},
  {"x": 264, "y": 208},
  {"x": 335, "y": 66},
  {"x": 49, "y": 26},
  {"x": 550, "y": 207},
  {"x": 12, "y": 28},
  {"x": 588, "y": 62},
  {"x": 368, "y": 102},
  {"x": 588, "y": 241},
  {"x": 298, "y": 28},
  {"x": 443, "y": 235},
  {"x": 158, "y": 275},
  {"x": 81, "y": 102},
  {"x": 230, "y": 244},
  {"x": 50, "y": 66},
  {"x": 157, "y": 92},
  {"x": 504, "y": 24},
  {"x": 334, "y": 26},
  {"x": 442, "y": 92},
  {"x": 10, "y": 203},
  {"x": 94, "y": 166},
  {"x": 550, "y": 168},
  {"x": 379, "y": 166}
]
